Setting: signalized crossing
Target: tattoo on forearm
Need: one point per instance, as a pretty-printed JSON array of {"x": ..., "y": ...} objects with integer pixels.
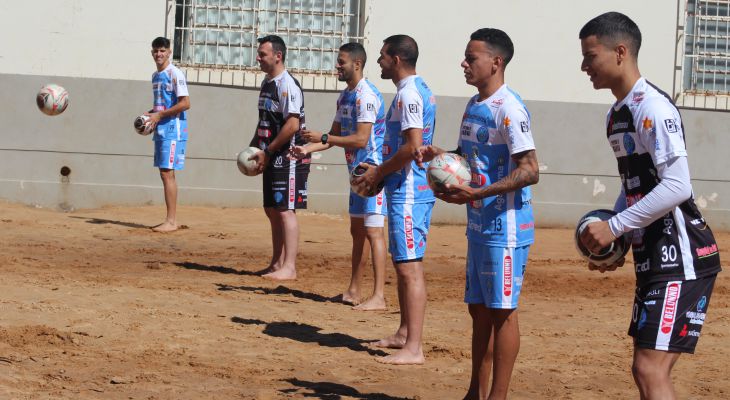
[{"x": 525, "y": 174}]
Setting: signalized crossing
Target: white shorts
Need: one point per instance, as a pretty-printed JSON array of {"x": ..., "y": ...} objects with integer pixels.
[{"x": 372, "y": 220}]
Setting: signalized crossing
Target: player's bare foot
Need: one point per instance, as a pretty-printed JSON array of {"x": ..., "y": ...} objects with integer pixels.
[
  {"x": 391, "y": 342},
  {"x": 283, "y": 274},
  {"x": 165, "y": 227},
  {"x": 375, "y": 303},
  {"x": 266, "y": 270},
  {"x": 345, "y": 298},
  {"x": 403, "y": 357}
]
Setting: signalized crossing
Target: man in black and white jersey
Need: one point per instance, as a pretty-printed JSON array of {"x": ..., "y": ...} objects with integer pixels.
[
  {"x": 281, "y": 119},
  {"x": 675, "y": 254}
]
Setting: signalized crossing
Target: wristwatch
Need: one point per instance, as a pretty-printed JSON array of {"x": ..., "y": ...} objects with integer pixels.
[{"x": 325, "y": 136}]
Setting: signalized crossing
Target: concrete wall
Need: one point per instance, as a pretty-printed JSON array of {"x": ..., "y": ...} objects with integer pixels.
[
  {"x": 546, "y": 65},
  {"x": 110, "y": 164},
  {"x": 99, "y": 50}
]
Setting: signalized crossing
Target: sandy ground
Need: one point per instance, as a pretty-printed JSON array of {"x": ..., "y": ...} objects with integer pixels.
[{"x": 94, "y": 305}]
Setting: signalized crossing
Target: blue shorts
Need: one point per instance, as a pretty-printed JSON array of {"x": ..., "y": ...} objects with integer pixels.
[
  {"x": 170, "y": 154},
  {"x": 360, "y": 206},
  {"x": 494, "y": 275},
  {"x": 407, "y": 230}
]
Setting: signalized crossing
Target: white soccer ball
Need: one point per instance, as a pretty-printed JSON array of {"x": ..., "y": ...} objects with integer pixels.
[
  {"x": 357, "y": 172},
  {"x": 447, "y": 168},
  {"x": 246, "y": 166},
  {"x": 52, "y": 99},
  {"x": 609, "y": 255},
  {"x": 142, "y": 125}
]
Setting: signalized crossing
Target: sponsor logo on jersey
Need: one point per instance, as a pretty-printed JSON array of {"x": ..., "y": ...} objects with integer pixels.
[
  {"x": 465, "y": 130},
  {"x": 706, "y": 251},
  {"x": 648, "y": 125},
  {"x": 618, "y": 126},
  {"x": 370, "y": 106},
  {"x": 413, "y": 108},
  {"x": 695, "y": 317},
  {"x": 642, "y": 320},
  {"x": 379, "y": 198},
  {"x": 284, "y": 94},
  {"x": 633, "y": 183},
  {"x": 173, "y": 144},
  {"x": 669, "y": 312},
  {"x": 292, "y": 189},
  {"x": 668, "y": 223},
  {"x": 482, "y": 134},
  {"x": 408, "y": 226},
  {"x": 683, "y": 332},
  {"x": 629, "y": 143},
  {"x": 524, "y": 126},
  {"x": 671, "y": 125},
  {"x": 702, "y": 303},
  {"x": 637, "y": 97},
  {"x": 478, "y": 179},
  {"x": 507, "y": 275},
  {"x": 642, "y": 267},
  {"x": 497, "y": 102},
  {"x": 386, "y": 149},
  {"x": 528, "y": 226}
]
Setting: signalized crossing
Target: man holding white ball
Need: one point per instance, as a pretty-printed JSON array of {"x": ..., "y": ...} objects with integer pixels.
[
  {"x": 169, "y": 121},
  {"x": 496, "y": 139},
  {"x": 358, "y": 127}
]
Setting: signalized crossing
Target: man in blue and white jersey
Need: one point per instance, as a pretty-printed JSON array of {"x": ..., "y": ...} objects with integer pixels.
[
  {"x": 170, "y": 118},
  {"x": 358, "y": 127},
  {"x": 410, "y": 124},
  {"x": 496, "y": 139}
]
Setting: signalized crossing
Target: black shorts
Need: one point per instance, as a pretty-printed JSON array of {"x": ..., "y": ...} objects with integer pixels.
[
  {"x": 669, "y": 316},
  {"x": 285, "y": 189}
]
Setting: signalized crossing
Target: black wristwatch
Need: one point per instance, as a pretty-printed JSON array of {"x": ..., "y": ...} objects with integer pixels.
[{"x": 325, "y": 136}]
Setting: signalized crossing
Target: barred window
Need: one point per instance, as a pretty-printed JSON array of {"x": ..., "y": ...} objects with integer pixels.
[
  {"x": 704, "y": 81},
  {"x": 221, "y": 35}
]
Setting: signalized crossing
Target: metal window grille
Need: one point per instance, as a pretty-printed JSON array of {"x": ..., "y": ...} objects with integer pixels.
[
  {"x": 220, "y": 35},
  {"x": 704, "y": 39}
]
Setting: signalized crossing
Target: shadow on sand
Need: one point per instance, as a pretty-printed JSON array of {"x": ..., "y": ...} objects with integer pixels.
[
  {"x": 306, "y": 333},
  {"x": 333, "y": 391}
]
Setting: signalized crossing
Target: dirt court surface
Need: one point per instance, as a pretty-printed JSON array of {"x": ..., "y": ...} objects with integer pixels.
[{"x": 94, "y": 305}]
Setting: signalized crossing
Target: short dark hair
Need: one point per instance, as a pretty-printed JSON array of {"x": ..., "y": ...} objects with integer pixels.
[
  {"x": 161, "y": 42},
  {"x": 614, "y": 27},
  {"x": 356, "y": 51},
  {"x": 498, "y": 40},
  {"x": 404, "y": 47},
  {"x": 277, "y": 43}
]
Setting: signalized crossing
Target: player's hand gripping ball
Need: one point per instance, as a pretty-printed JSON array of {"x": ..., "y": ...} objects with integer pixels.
[
  {"x": 142, "y": 125},
  {"x": 52, "y": 99},
  {"x": 246, "y": 166},
  {"x": 611, "y": 253},
  {"x": 357, "y": 172},
  {"x": 447, "y": 168}
]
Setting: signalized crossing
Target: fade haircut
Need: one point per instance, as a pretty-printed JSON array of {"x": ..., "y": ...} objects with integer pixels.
[
  {"x": 497, "y": 40},
  {"x": 404, "y": 47},
  {"x": 611, "y": 28},
  {"x": 161, "y": 42},
  {"x": 356, "y": 51},
  {"x": 277, "y": 43}
]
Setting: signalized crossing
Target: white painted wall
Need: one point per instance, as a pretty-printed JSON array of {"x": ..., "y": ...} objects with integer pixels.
[
  {"x": 107, "y": 39},
  {"x": 110, "y": 39},
  {"x": 547, "y": 58}
]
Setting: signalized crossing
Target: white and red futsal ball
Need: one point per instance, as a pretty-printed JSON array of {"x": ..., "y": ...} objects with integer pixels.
[
  {"x": 52, "y": 99},
  {"x": 246, "y": 166},
  {"x": 447, "y": 168}
]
